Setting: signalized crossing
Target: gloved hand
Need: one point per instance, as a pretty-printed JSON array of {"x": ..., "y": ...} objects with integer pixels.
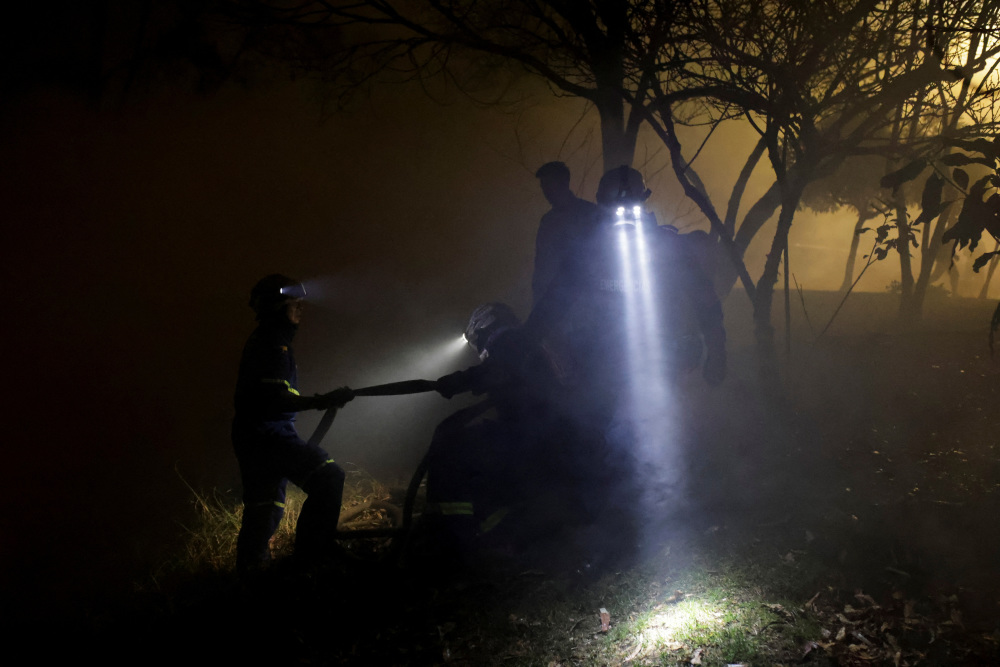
[
  {"x": 714, "y": 370},
  {"x": 449, "y": 385},
  {"x": 337, "y": 398}
]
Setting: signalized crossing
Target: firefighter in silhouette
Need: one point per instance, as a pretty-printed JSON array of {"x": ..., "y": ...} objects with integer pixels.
[
  {"x": 569, "y": 219},
  {"x": 269, "y": 450},
  {"x": 637, "y": 316},
  {"x": 633, "y": 299},
  {"x": 486, "y": 475}
]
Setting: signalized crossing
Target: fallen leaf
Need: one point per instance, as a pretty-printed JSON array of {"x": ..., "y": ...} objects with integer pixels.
[
  {"x": 696, "y": 656},
  {"x": 862, "y": 597},
  {"x": 677, "y": 596},
  {"x": 841, "y": 634},
  {"x": 778, "y": 610}
]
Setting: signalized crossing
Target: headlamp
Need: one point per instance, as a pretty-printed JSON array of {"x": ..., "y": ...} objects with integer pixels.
[
  {"x": 626, "y": 216},
  {"x": 297, "y": 291}
]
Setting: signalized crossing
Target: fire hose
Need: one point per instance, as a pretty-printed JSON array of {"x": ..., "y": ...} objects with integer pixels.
[{"x": 389, "y": 389}]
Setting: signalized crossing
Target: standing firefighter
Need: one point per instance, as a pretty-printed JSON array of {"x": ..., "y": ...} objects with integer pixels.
[
  {"x": 569, "y": 219},
  {"x": 638, "y": 315},
  {"x": 634, "y": 302},
  {"x": 269, "y": 450}
]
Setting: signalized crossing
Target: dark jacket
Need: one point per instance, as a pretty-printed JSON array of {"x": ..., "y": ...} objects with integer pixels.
[
  {"x": 522, "y": 386},
  {"x": 604, "y": 287},
  {"x": 268, "y": 375},
  {"x": 558, "y": 230}
]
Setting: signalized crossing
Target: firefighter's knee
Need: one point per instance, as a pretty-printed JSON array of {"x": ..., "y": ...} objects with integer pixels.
[{"x": 326, "y": 478}]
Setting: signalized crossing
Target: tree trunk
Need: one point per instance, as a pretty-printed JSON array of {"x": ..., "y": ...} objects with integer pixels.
[
  {"x": 764, "y": 295},
  {"x": 758, "y": 215},
  {"x": 909, "y": 307},
  {"x": 617, "y": 141},
  {"x": 618, "y": 137},
  {"x": 934, "y": 257},
  {"x": 863, "y": 217}
]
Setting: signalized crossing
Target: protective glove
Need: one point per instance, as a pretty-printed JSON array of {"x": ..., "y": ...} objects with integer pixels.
[
  {"x": 714, "y": 370},
  {"x": 452, "y": 384},
  {"x": 337, "y": 398}
]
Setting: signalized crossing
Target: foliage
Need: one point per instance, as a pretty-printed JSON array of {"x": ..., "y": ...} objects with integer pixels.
[
  {"x": 978, "y": 215},
  {"x": 957, "y": 162}
]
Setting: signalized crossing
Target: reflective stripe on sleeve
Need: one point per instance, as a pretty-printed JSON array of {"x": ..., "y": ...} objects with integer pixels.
[{"x": 288, "y": 386}]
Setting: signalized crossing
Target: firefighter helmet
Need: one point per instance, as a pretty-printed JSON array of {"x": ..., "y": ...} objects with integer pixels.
[
  {"x": 486, "y": 320},
  {"x": 273, "y": 292},
  {"x": 622, "y": 186}
]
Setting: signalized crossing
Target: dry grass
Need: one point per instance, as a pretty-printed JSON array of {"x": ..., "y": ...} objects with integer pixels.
[{"x": 208, "y": 543}]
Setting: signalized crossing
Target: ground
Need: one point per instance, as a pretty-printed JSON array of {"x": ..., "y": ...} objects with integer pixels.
[{"x": 854, "y": 525}]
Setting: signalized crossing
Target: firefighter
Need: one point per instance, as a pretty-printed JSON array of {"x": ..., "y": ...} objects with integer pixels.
[
  {"x": 569, "y": 219},
  {"x": 269, "y": 451},
  {"x": 630, "y": 274},
  {"x": 637, "y": 315},
  {"x": 485, "y": 473}
]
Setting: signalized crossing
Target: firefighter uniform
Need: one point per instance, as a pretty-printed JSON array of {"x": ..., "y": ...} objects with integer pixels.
[
  {"x": 270, "y": 452},
  {"x": 485, "y": 473},
  {"x": 614, "y": 283}
]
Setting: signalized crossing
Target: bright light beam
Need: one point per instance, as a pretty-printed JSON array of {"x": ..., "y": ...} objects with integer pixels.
[
  {"x": 651, "y": 415},
  {"x": 438, "y": 356}
]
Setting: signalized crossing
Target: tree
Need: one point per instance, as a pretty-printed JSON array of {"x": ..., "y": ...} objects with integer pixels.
[
  {"x": 591, "y": 50},
  {"x": 612, "y": 53},
  {"x": 946, "y": 113},
  {"x": 854, "y": 186},
  {"x": 819, "y": 82}
]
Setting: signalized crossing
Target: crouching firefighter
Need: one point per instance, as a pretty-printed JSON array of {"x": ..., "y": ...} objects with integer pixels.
[
  {"x": 483, "y": 473},
  {"x": 269, "y": 451}
]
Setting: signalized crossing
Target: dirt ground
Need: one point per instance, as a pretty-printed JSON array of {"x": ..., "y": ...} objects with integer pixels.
[{"x": 861, "y": 514}]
